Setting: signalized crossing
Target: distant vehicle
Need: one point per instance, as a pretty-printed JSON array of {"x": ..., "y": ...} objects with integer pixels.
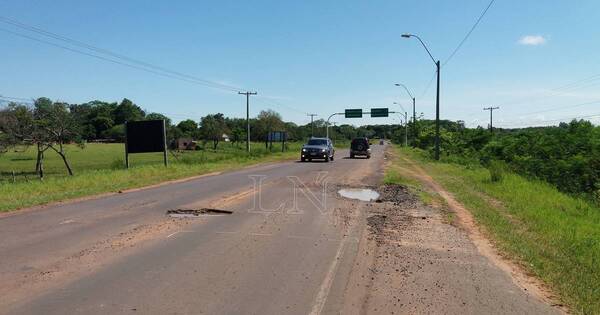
[
  {"x": 317, "y": 148},
  {"x": 360, "y": 146}
]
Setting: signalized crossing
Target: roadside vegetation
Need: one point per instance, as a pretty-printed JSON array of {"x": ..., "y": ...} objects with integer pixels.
[
  {"x": 566, "y": 156},
  {"x": 53, "y": 150},
  {"x": 554, "y": 235},
  {"x": 100, "y": 168}
]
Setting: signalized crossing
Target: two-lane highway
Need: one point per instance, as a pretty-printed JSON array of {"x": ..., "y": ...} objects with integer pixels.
[
  {"x": 279, "y": 252},
  {"x": 291, "y": 246}
]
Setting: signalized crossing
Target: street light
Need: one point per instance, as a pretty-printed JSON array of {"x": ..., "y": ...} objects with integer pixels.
[
  {"x": 405, "y": 124},
  {"x": 437, "y": 98},
  {"x": 414, "y": 144}
]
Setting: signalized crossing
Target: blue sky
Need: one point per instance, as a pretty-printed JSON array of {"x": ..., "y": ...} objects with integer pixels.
[{"x": 315, "y": 56}]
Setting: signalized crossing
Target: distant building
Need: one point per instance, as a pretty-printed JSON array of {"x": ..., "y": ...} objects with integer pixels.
[{"x": 185, "y": 144}]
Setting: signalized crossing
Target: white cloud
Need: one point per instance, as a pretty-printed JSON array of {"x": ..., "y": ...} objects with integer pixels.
[{"x": 532, "y": 40}]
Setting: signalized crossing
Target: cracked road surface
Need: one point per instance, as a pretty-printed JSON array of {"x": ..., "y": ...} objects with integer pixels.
[{"x": 291, "y": 246}]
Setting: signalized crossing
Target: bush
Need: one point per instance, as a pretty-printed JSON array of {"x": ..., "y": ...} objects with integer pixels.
[
  {"x": 117, "y": 164},
  {"x": 497, "y": 169}
]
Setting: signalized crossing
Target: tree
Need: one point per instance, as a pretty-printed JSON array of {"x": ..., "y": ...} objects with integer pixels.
[
  {"x": 128, "y": 111},
  {"x": 188, "y": 128},
  {"x": 212, "y": 127},
  {"x": 101, "y": 117},
  {"x": 268, "y": 121},
  {"x": 54, "y": 127},
  {"x": 158, "y": 116}
]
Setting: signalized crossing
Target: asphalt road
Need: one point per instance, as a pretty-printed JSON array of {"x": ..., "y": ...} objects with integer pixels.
[{"x": 291, "y": 246}]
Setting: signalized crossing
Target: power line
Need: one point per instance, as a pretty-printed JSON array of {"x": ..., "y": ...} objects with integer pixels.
[
  {"x": 121, "y": 59},
  {"x": 560, "y": 107},
  {"x": 270, "y": 102},
  {"x": 428, "y": 85},
  {"x": 469, "y": 32},
  {"x": 115, "y": 55},
  {"x": 555, "y": 120},
  {"x": 561, "y": 90},
  {"x": 105, "y": 58}
]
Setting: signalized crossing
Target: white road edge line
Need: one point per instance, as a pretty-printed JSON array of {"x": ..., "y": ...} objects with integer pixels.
[
  {"x": 169, "y": 236},
  {"x": 328, "y": 281}
]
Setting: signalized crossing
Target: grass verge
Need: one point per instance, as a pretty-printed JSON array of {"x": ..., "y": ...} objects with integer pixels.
[
  {"x": 554, "y": 236},
  {"x": 105, "y": 172}
]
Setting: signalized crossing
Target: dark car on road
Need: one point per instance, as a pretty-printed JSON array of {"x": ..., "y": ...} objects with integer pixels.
[
  {"x": 360, "y": 147},
  {"x": 317, "y": 148}
]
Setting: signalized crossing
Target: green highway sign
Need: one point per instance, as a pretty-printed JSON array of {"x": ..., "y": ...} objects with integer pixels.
[
  {"x": 354, "y": 113},
  {"x": 379, "y": 112}
]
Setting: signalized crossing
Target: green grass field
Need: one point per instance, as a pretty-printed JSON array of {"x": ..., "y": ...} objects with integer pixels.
[
  {"x": 554, "y": 236},
  {"x": 99, "y": 168}
]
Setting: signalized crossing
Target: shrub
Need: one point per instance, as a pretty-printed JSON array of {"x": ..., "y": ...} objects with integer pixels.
[
  {"x": 117, "y": 164},
  {"x": 497, "y": 169}
]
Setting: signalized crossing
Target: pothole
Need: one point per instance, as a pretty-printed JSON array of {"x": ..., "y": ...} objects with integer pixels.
[
  {"x": 362, "y": 194},
  {"x": 193, "y": 213}
]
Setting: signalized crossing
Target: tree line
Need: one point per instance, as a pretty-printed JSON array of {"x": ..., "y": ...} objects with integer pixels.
[
  {"x": 566, "y": 156},
  {"x": 49, "y": 125}
]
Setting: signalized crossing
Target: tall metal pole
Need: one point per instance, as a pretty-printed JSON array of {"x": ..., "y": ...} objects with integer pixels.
[
  {"x": 414, "y": 113},
  {"x": 414, "y": 143},
  {"x": 327, "y": 123},
  {"x": 247, "y": 93},
  {"x": 405, "y": 129},
  {"x": 437, "y": 114},
  {"x": 437, "y": 98}
]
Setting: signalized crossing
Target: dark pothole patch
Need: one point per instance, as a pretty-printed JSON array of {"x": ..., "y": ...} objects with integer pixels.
[
  {"x": 193, "y": 213},
  {"x": 399, "y": 195}
]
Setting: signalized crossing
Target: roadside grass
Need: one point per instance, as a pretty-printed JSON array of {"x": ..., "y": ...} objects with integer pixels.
[
  {"x": 394, "y": 174},
  {"x": 554, "y": 236},
  {"x": 99, "y": 168}
]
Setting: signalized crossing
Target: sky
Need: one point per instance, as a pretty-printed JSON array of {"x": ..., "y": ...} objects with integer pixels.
[{"x": 536, "y": 60}]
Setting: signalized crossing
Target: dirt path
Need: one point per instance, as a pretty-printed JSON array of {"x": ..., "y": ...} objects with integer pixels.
[{"x": 413, "y": 261}]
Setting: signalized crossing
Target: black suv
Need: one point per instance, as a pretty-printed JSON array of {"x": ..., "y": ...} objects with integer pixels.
[
  {"x": 360, "y": 146},
  {"x": 317, "y": 148}
]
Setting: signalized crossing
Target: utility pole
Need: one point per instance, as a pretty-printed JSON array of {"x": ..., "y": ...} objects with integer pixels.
[
  {"x": 437, "y": 114},
  {"x": 247, "y": 93},
  {"x": 491, "y": 109},
  {"x": 312, "y": 129}
]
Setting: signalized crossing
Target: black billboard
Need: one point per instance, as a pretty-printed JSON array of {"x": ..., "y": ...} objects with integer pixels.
[{"x": 145, "y": 136}]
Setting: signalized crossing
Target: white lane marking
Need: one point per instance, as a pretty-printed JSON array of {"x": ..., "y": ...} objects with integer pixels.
[
  {"x": 308, "y": 238},
  {"x": 169, "y": 236},
  {"x": 226, "y": 232},
  {"x": 67, "y": 221},
  {"x": 328, "y": 281},
  {"x": 260, "y": 234}
]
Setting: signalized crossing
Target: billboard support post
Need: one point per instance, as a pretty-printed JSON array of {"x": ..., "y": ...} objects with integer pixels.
[{"x": 126, "y": 149}]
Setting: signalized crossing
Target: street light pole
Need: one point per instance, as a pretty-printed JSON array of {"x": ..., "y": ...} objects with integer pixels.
[
  {"x": 437, "y": 114},
  {"x": 405, "y": 129},
  {"x": 327, "y": 123},
  {"x": 414, "y": 142},
  {"x": 437, "y": 98}
]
